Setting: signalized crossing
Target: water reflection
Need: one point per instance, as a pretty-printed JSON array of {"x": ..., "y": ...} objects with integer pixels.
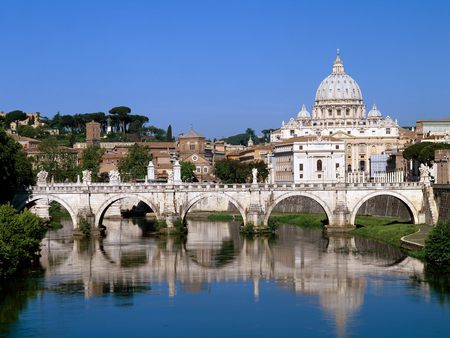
[{"x": 129, "y": 260}]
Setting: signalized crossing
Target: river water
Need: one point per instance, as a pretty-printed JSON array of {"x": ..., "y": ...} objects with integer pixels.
[{"x": 216, "y": 283}]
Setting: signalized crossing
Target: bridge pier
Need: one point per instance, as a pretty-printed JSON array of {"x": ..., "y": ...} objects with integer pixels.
[
  {"x": 340, "y": 220},
  {"x": 42, "y": 208}
]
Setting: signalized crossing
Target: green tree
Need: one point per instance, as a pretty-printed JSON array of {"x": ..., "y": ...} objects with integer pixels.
[
  {"x": 20, "y": 235},
  {"x": 187, "y": 171},
  {"x": 91, "y": 160},
  {"x": 266, "y": 135},
  {"x": 122, "y": 113},
  {"x": 155, "y": 134},
  {"x": 15, "y": 116},
  {"x": 60, "y": 162},
  {"x": 169, "y": 137},
  {"x": 231, "y": 171},
  {"x": 15, "y": 168},
  {"x": 134, "y": 165},
  {"x": 423, "y": 151},
  {"x": 437, "y": 246},
  {"x": 137, "y": 124}
]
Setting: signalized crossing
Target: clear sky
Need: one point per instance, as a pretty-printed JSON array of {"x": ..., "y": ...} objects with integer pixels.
[{"x": 221, "y": 66}]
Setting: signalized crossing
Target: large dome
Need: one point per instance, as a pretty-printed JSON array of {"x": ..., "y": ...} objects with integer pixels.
[{"x": 338, "y": 86}]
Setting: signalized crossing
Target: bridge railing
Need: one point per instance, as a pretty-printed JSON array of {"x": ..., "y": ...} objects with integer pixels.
[{"x": 160, "y": 187}]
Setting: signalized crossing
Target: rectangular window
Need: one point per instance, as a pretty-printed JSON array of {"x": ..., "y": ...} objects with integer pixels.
[
  {"x": 198, "y": 169},
  {"x": 301, "y": 175},
  {"x": 388, "y": 131},
  {"x": 192, "y": 147},
  {"x": 205, "y": 169},
  {"x": 300, "y": 147},
  {"x": 301, "y": 166},
  {"x": 337, "y": 146}
]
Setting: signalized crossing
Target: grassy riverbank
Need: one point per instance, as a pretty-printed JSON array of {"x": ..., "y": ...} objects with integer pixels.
[{"x": 384, "y": 229}]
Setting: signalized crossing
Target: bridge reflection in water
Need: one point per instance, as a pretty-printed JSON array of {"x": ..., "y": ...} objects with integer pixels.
[{"x": 333, "y": 268}]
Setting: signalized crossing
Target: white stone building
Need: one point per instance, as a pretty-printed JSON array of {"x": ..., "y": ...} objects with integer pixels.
[
  {"x": 339, "y": 111},
  {"x": 309, "y": 160}
]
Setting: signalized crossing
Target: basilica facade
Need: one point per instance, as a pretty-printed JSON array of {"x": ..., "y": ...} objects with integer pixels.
[{"x": 339, "y": 112}]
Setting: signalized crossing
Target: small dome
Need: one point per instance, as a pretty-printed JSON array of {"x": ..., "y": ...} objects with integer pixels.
[
  {"x": 374, "y": 112},
  {"x": 303, "y": 113},
  {"x": 338, "y": 85}
]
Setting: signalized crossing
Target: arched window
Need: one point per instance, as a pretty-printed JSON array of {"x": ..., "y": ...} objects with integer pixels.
[{"x": 319, "y": 165}]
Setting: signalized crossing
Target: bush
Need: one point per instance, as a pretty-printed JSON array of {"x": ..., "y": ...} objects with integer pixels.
[
  {"x": 248, "y": 229},
  {"x": 20, "y": 235},
  {"x": 437, "y": 246}
]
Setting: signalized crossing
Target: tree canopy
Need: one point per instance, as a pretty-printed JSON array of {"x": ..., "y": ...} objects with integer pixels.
[
  {"x": 59, "y": 162},
  {"x": 15, "y": 167},
  {"x": 187, "y": 171},
  {"x": 234, "y": 171},
  {"x": 91, "y": 160},
  {"x": 20, "y": 236},
  {"x": 134, "y": 165},
  {"x": 423, "y": 151}
]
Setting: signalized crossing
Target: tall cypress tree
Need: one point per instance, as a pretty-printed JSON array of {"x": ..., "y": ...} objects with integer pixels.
[{"x": 169, "y": 134}]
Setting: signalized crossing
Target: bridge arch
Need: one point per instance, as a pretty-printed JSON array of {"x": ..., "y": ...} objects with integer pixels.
[
  {"x": 51, "y": 198},
  {"x": 106, "y": 204},
  {"x": 411, "y": 208},
  {"x": 185, "y": 209},
  {"x": 282, "y": 197}
]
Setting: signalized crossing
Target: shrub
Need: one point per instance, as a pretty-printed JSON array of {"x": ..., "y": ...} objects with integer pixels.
[
  {"x": 20, "y": 235},
  {"x": 437, "y": 246},
  {"x": 248, "y": 229}
]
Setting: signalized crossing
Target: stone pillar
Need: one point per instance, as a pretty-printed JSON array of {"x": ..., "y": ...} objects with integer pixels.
[
  {"x": 150, "y": 171},
  {"x": 255, "y": 214},
  {"x": 176, "y": 173},
  {"x": 340, "y": 221},
  {"x": 41, "y": 209}
]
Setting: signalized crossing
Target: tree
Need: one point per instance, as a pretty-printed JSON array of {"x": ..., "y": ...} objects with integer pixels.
[
  {"x": 437, "y": 246},
  {"x": 137, "y": 124},
  {"x": 15, "y": 116},
  {"x": 423, "y": 151},
  {"x": 187, "y": 171},
  {"x": 91, "y": 160},
  {"x": 122, "y": 113},
  {"x": 266, "y": 135},
  {"x": 60, "y": 162},
  {"x": 169, "y": 137},
  {"x": 15, "y": 168},
  {"x": 134, "y": 165},
  {"x": 20, "y": 236},
  {"x": 243, "y": 138},
  {"x": 231, "y": 171},
  {"x": 155, "y": 134}
]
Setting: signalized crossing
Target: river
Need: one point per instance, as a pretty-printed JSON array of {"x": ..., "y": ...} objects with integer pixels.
[{"x": 216, "y": 283}]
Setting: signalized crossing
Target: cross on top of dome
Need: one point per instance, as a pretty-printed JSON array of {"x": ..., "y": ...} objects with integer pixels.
[{"x": 338, "y": 66}]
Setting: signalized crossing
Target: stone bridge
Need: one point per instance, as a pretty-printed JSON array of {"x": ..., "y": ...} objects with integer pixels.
[{"x": 255, "y": 202}]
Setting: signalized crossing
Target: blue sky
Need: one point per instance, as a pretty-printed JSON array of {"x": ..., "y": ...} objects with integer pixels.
[{"x": 221, "y": 66}]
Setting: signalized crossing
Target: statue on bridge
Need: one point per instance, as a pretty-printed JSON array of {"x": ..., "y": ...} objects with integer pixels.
[
  {"x": 114, "y": 177},
  {"x": 255, "y": 176},
  {"x": 87, "y": 176},
  {"x": 42, "y": 178},
  {"x": 425, "y": 172}
]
